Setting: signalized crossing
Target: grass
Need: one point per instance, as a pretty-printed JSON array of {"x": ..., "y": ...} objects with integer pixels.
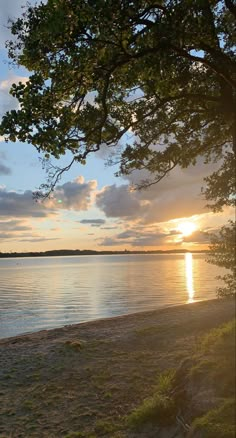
[
  {"x": 216, "y": 360},
  {"x": 157, "y": 409},
  {"x": 220, "y": 337},
  {"x": 101, "y": 427},
  {"x": 105, "y": 427},
  {"x": 219, "y": 422},
  {"x": 160, "y": 408},
  {"x": 165, "y": 382},
  {"x": 216, "y": 367},
  {"x": 212, "y": 370}
]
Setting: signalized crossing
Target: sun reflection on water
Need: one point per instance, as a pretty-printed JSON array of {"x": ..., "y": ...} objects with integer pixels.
[{"x": 189, "y": 276}]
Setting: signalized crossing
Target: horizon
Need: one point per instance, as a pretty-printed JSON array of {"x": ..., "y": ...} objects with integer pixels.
[{"x": 105, "y": 252}]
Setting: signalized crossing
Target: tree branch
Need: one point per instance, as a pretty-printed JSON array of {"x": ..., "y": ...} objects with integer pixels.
[{"x": 231, "y": 7}]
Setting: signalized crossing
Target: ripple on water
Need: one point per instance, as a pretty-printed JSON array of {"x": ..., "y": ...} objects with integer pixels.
[{"x": 42, "y": 293}]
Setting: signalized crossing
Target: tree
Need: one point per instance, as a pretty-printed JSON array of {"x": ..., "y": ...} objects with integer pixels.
[
  {"x": 223, "y": 254},
  {"x": 221, "y": 190},
  {"x": 163, "y": 70}
]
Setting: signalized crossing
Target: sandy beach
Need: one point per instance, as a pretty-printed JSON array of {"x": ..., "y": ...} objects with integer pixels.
[{"x": 83, "y": 380}]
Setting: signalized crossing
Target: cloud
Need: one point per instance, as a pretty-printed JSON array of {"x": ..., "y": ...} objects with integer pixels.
[
  {"x": 13, "y": 204},
  {"x": 127, "y": 234},
  {"x": 199, "y": 237},
  {"x": 10, "y": 9},
  {"x": 14, "y": 225},
  {"x": 5, "y": 236},
  {"x": 150, "y": 240},
  {"x": 158, "y": 206},
  {"x": 108, "y": 228},
  {"x": 38, "y": 239},
  {"x": 4, "y": 170},
  {"x": 175, "y": 204},
  {"x": 93, "y": 222},
  {"x": 119, "y": 202},
  {"x": 74, "y": 195},
  {"x": 110, "y": 241},
  {"x": 178, "y": 195},
  {"x": 22, "y": 231},
  {"x": 139, "y": 237},
  {"x": 13, "y": 229},
  {"x": 8, "y": 102}
]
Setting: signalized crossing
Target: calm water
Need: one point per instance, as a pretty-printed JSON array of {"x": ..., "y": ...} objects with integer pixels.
[{"x": 39, "y": 293}]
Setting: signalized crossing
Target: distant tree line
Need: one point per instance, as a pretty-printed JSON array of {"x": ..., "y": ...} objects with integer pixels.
[{"x": 76, "y": 252}]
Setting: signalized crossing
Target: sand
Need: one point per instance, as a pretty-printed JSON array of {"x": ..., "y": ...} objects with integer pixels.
[{"x": 83, "y": 380}]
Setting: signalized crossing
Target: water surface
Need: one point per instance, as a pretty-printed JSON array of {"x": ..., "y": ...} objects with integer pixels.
[{"x": 49, "y": 292}]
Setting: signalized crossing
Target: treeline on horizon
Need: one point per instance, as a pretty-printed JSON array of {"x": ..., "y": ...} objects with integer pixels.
[{"x": 75, "y": 252}]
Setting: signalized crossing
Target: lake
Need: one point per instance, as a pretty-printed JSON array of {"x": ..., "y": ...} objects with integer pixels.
[{"x": 48, "y": 292}]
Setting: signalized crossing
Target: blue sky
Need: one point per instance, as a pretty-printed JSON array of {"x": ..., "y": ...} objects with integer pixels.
[{"x": 96, "y": 210}]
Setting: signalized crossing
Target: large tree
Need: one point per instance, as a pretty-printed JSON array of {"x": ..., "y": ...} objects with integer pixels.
[{"x": 164, "y": 71}]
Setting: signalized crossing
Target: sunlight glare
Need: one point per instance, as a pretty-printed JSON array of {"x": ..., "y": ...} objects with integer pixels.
[
  {"x": 187, "y": 228},
  {"x": 189, "y": 276}
]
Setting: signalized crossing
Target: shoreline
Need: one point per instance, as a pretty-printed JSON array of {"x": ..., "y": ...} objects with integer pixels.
[
  {"x": 84, "y": 379},
  {"x": 101, "y": 322},
  {"x": 96, "y": 320}
]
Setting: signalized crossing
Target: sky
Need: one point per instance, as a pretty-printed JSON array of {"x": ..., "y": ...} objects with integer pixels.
[{"x": 92, "y": 208}]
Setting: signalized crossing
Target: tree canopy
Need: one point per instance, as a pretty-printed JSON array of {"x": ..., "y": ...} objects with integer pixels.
[
  {"x": 156, "y": 80},
  {"x": 162, "y": 71}
]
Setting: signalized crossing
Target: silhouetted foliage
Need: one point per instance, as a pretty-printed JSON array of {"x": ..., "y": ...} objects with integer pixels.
[
  {"x": 157, "y": 79},
  {"x": 222, "y": 253}
]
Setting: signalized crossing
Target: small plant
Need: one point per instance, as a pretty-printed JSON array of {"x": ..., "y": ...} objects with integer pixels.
[
  {"x": 160, "y": 408},
  {"x": 165, "y": 382},
  {"x": 218, "y": 335},
  {"x": 28, "y": 404},
  {"x": 108, "y": 395},
  {"x": 157, "y": 409},
  {"x": 103, "y": 426},
  {"x": 219, "y": 422}
]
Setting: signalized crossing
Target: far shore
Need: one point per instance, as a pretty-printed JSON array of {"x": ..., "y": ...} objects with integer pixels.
[
  {"x": 86, "y": 252},
  {"x": 74, "y": 379}
]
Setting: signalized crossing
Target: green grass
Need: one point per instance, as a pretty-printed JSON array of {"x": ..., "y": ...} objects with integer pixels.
[
  {"x": 157, "y": 409},
  {"x": 213, "y": 367},
  {"x": 160, "y": 408},
  {"x": 216, "y": 360},
  {"x": 165, "y": 382},
  {"x": 219, "y": 422},
  {"x": 218, "y": 338},
  {"x": 28, "y": 404},
  {"x": 105, "y": 427}
]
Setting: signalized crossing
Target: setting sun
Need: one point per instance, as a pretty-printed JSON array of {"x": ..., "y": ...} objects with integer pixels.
[{"x": 187, "y": 228}]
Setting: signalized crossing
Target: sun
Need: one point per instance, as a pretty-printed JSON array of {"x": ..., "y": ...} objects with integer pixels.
[{"x": 186, "y": 228}]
